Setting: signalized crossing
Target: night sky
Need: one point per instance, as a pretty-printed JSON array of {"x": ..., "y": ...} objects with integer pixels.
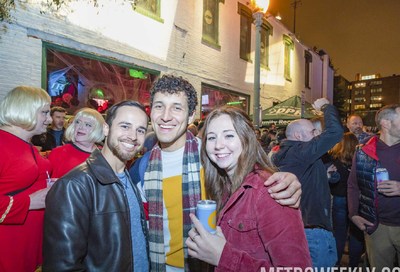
[{"x": 360, "y": 36}]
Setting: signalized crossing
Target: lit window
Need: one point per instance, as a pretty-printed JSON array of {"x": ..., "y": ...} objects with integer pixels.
[
  {"x": 211, "y": 23},
  {"x": 213, "y": 97},
  {"x": 149, "y": 8},
  {"x": 359, "y": 107},
  {"x": 76, "y": 79},
  {"x": 376, "y": 90},
  {"x": 359, "y": 99},
  {"x": 308, "y": 61},
  {"x": 376, "y": 82},
  {"x": 375, "y": 105},
  {"x": 266, "y": 31},
  {"x": 360, "y": 85},
  {"x": 289, "y": 46},
  {"x": 359, "y": 92},
  {"x": 369, "y": 77},
  {"x": 245, "y": 31},
  {"x": 376, "y": 98}
]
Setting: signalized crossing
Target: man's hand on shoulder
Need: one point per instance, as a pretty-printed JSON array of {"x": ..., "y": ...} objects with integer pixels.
[
  {"x": 286, "y": 190},
  {"x": 319, "y": 103}
]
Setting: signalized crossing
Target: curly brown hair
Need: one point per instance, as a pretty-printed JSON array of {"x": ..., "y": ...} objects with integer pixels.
[{"x": 172, "y": 85}]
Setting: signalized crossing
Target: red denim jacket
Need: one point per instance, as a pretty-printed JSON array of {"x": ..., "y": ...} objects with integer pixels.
[{"x": 260, "y": 233}]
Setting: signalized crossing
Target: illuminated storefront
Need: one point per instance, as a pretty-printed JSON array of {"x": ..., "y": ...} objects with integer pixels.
[
  {"x": 75, "y": 80},
  {"x": 213, "y": 97}
]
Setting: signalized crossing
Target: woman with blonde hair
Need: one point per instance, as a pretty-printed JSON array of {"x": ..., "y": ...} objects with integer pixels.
[
  {"x": 254, "y": 231},
  {"x": 82, "y": 135},
  {"x": 24, "y": 112}
]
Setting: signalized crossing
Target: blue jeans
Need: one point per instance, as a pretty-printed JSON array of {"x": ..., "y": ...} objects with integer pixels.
[
  {"x": 322, "y": 247},
  {"x": 343, "y": 228}
]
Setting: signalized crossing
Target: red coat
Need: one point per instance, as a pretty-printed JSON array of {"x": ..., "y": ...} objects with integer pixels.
[
  {"x": 259, "y": 231},
  {"x": 21, "y": 232},
  {"x": 65, "y": 158}
]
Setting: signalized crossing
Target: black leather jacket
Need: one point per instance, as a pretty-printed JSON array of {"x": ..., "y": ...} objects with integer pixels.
[{"x": 87, "y": 221}]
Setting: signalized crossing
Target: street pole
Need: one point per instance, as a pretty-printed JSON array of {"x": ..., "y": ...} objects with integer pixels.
[
  {"x": 295, "y": 4},
  {"x": 258, "y": 16}
]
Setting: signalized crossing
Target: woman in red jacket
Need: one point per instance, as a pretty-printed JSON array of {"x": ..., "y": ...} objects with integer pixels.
[
  {"x": 254, "y": 231},
  {"x": 82, "y": 135},
  {"x": 24, "y": 112}
]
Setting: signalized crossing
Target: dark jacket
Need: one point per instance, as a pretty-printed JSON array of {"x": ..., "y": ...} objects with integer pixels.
[
  {"x": 363, "y": 198},
  {"x": 365, "y": 162},
  {"x": 304, "y": 160},
  {"x": 259, "y": 231},
  {"x": 47, "y": 140},
  {"x": 339, "y": 188},
  {"x": 87, "y": 221}
]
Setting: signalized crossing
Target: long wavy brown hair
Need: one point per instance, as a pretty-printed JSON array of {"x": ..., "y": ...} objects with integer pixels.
[
  {"x": 217, "y": 183},
  {"x": 344, "y": 150}
]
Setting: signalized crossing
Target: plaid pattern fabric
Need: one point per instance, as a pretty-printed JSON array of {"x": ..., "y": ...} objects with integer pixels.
[{"x": 191, "y": 191}]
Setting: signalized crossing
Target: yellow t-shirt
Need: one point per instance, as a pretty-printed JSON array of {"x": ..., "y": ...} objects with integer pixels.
[{"x": 172, "y": 193}]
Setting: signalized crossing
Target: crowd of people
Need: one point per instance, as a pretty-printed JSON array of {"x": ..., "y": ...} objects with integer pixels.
[{"x": 284, "y": 198}]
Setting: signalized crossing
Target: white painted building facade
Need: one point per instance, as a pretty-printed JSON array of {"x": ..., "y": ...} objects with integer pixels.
[{"x": 117, "y": 32}]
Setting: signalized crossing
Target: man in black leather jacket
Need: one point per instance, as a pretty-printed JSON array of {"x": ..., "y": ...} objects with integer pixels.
[{"x": 94, "y": 218}]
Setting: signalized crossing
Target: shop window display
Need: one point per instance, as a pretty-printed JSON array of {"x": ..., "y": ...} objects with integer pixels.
[{"x": 74, "y": 81}]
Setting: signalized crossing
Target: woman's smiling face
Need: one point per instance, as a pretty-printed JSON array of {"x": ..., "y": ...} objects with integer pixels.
[{"x": 223, "y": 145}]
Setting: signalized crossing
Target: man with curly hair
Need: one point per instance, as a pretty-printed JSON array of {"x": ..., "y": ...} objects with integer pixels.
[{"x": 171, "y": 175}]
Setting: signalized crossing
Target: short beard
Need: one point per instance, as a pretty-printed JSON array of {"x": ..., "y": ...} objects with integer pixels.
[{"x": 120, "y": 155}]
